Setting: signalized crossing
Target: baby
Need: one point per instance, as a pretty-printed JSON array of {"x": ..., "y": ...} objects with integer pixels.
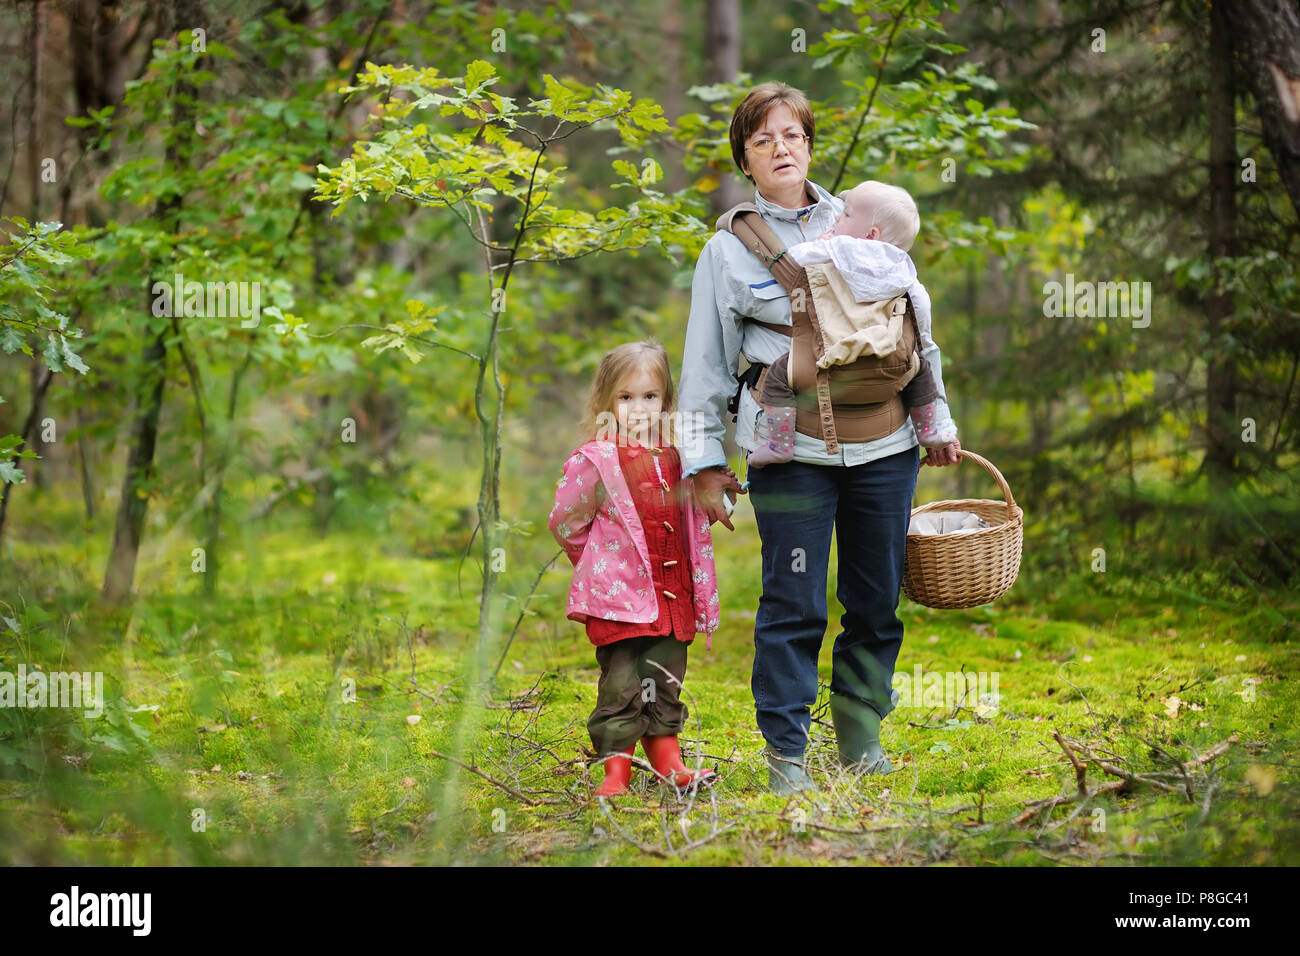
[{"x": 868, "y": 245}]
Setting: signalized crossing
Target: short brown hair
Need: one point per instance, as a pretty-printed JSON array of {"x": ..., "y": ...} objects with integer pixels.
[{"x": 753, "y": 109}]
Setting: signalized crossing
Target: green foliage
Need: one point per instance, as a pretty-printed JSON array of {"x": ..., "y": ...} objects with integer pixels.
[
  {"x": 900, "y": 115},
  {"x": 238, "y": 711},
  {"x": 456, "y": 143},
  {"x": 28, "y": 262},
  {"x": 911, "y": 111},
  {"x": 219, "y": 165}
]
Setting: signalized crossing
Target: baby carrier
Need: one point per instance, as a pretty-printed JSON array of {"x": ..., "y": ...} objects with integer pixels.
[{"x": 846, "y": 373}]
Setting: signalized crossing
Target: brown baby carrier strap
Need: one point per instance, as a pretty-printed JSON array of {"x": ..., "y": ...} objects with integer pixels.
[{"x": 855, "y": 402}]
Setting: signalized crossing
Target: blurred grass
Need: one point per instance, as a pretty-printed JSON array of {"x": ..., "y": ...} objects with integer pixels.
[{"x": 246, "y": 722}]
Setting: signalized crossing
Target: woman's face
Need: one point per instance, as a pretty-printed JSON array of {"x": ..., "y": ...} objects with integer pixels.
[{"x": 786, "y": 167}]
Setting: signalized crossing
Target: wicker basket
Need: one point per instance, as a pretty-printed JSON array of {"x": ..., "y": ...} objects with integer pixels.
[{"x": 966, "y": 568}]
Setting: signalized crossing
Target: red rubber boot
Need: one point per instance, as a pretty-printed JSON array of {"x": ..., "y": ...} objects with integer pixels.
[
  {"x": 618, "y": 772},
  {"x": 665, "y": 756}
]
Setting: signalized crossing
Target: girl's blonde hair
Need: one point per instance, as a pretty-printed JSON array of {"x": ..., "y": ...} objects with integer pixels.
[{"x": 644, "y": 356}]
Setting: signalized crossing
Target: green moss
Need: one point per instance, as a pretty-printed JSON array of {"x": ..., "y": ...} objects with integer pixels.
[{"x": 308, "y": 777}]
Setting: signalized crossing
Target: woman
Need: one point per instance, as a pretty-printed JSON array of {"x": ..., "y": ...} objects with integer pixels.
[{"x": 863, "y": 491}]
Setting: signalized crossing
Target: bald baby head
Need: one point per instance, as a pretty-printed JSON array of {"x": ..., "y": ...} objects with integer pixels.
[{"x": 889, "y": 210}]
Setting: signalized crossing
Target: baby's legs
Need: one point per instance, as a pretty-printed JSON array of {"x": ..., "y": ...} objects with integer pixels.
[
  {"x": 921, "y": 390},
  {"x": 776, "y": 386},
  {"x": 920, "y": 396},
  {"x": 776, "y": 420}
]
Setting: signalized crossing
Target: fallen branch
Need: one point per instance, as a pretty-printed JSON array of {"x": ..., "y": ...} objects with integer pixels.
[
  {"x": 623, "y": 834},
  {"x": 1037, "y": 806},
  {"x": 496, "y": 783},
  {"x": 1080, "y": 770},
  {"x": 879, "y": 828},
  {"x": 542, "y": 747},
  {"x": 1128, "y": 780},
  {"x": 1218, "y": 750}
]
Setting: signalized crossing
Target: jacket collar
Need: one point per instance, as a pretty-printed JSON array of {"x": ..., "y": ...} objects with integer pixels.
[{"x": 770, "y": 210}]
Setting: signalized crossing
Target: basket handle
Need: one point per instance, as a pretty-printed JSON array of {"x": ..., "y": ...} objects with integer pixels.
[{"x": 992, "y": 469}]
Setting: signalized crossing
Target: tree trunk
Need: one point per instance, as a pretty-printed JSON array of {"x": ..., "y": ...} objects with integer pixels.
[
  {"x": 119, "y": 576},
  {"x": 722, "y": 54},
  {"x": 1221, "y": 443},
  {"x": 36, "y": 149},
  {"x": 99, "y": 39},
  {"x": 31, "y": 426},
  {"x": 674, "y": 100},
  {"x": 1267, "y": 34},
  {"x": 134, "y": 502},
  {"x": 35, "y": 77},
  {"x": 87, "y": 470},
  {"x": 98, "y": 47},
  {"x": 308, "y": 209}
]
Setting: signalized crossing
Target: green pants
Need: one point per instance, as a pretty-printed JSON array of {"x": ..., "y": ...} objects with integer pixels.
[{"x": 635, "y": 699}]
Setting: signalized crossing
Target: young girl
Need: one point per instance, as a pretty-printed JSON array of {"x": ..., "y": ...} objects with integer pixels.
[{"x": 643, "y": 580}]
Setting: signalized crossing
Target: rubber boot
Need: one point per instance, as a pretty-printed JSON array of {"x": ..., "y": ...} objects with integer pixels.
[
  {"x": 786, "y": 773},
  {"x": 774, "y": 434},
  {"x": 857, "y": 734},
  {"x": 665, "y": 755},
  {"x": 618, "y": 771}
]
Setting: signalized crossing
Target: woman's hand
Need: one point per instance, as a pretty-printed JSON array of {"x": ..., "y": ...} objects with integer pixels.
[
  {"x": 949, "y": 454},
  {"x": 710, "y": 484}
]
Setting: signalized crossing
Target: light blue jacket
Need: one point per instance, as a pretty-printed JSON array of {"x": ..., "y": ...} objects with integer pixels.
[{"x": 731, "y": 282}]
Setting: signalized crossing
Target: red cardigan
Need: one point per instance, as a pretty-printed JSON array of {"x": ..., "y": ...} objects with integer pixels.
[{"x": 658, "y": 496}]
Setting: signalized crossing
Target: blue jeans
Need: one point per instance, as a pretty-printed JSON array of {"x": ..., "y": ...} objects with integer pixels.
[{"x": 796, "y": 506}]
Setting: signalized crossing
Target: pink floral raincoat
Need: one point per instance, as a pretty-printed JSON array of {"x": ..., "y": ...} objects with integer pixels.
[{"x": 596, "y": 523}]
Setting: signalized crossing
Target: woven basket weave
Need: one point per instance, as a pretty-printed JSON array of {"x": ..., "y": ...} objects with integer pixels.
[{"x": 966, "y": 568}]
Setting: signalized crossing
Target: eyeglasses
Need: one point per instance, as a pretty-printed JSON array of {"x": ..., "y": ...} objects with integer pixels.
[{"x": 765, "y": 145}]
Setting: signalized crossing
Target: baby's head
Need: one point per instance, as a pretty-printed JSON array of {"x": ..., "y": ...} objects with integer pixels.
[
  {"x": 875, "y": 210},
  {"x": 632, "y": 395}
]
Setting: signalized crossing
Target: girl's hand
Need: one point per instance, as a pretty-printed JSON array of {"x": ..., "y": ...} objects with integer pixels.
[{"x": 949, "y": 454}]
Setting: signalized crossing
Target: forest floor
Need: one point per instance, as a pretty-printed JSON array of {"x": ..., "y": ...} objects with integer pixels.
[{"x": 317, "y": 712}]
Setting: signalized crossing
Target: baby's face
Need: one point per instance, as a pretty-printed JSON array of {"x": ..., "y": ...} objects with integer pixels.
[{"x": 856, "y": 220}]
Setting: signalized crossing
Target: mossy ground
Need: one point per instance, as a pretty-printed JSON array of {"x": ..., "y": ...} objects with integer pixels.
[{"x": 229, "y": 740}]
